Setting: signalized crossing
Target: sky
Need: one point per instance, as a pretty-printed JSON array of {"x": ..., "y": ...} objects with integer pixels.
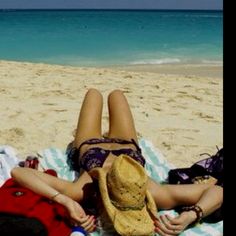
[{"x": 112, "y": 4}]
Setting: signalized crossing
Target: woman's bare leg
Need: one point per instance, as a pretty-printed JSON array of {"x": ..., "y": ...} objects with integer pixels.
[
  {"x": 89, "y": 123},
  {"x": 89, "y": 126},
  {"x": 121, "y": 123}
]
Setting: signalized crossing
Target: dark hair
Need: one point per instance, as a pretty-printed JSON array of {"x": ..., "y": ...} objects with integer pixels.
[{"x": 72, "y": 157}]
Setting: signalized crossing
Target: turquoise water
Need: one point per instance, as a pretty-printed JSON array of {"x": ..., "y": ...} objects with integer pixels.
[{"x": 98, "y": 38}]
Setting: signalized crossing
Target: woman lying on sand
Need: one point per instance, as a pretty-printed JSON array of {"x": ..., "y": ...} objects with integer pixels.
[{"x": 112, "y": 169}]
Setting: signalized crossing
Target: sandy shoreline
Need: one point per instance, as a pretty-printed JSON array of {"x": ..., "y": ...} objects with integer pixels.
[
  {"x": 202, "y": 70},
  {"x": 179, "y": 109}
]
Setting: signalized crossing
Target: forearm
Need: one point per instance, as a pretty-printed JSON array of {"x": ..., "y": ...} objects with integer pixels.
[
  {"x": 199, "y": 200},
  {"x": 28, "y": 178},
  {"x": 50, "y": 187},
  {"x": 211, "y": 200}
]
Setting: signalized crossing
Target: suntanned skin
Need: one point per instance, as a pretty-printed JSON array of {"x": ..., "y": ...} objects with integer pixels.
[{"x": 121, "y": 125}]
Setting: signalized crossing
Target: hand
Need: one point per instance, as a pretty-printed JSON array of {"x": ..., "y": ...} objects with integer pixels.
[
  {"x": 77, "y": 214},
  {"x": 87, "y": 222},
  {"x": 168, "y": 225}
]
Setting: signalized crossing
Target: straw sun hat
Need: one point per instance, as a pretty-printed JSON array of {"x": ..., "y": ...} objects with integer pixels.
[{"x": 125, "y": 197}]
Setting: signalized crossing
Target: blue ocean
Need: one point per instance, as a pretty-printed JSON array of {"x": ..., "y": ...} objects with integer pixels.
[{"x": 107, "y": 37}]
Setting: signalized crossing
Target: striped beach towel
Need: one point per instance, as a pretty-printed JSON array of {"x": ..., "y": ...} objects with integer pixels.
[{"x": 157, "y": 168}]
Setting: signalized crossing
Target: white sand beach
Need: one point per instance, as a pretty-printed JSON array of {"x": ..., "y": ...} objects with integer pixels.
[{"x": 179, "y": 109}]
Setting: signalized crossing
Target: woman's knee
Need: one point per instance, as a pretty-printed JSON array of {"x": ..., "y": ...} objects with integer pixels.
[
  {"x": 93, "y": 92},
  {"x": 115, "y": 94}
]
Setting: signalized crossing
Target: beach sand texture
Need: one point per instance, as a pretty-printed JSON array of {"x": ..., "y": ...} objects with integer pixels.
[{"x": 180, "y": 113}]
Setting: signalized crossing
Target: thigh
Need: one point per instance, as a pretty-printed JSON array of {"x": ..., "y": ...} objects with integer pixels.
[
  {"x": 89, "y": 122},
  {"x": 121, "y": 123}
]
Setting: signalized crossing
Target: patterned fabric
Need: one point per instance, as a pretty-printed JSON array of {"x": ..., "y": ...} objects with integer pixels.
[
  {"x": 96, "y": 156},
  {"x": 157, "y": 168}
]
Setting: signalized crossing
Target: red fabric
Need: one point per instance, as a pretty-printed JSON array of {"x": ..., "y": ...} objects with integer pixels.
[{"x": 18, "y": 200}]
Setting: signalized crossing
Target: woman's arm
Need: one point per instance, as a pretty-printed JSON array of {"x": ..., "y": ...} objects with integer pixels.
[
  {"x": 40, "y": 182},
  {"x": 56, "y": 189},
  {"x": 207, "y": 197},
  {"x": 169, "y": 196}
]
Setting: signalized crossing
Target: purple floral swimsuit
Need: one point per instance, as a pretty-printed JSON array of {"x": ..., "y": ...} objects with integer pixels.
[{"x": 96, "y": 156}]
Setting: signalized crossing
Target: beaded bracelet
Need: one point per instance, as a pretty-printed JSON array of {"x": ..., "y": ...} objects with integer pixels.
[{"x": 197, "y": 209}]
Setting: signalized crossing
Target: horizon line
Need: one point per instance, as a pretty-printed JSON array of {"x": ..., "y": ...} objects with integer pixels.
[{"x": 107, "y": 9}]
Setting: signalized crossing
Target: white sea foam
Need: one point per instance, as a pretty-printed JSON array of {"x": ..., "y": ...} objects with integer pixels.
[
  {"x": 212, "y": 62},
  {"x": 155, "y": 61}
]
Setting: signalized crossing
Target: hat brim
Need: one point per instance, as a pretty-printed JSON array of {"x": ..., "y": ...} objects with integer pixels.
[{"x": 129, "y": 222}]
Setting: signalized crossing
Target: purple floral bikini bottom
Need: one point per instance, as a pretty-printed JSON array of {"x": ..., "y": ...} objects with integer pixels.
[{"x": 96, "y": 156}]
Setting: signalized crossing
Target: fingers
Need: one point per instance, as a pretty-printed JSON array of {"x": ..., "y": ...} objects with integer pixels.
[
  {"x": 169, "y": 223},
  {"x": 166, "y": 226},
  {"x": 162, "y": 232},
  {"x": 88, "y": 223},
  {"x": 78, "y": 216},
  {"x": 174, "y": 221}
]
